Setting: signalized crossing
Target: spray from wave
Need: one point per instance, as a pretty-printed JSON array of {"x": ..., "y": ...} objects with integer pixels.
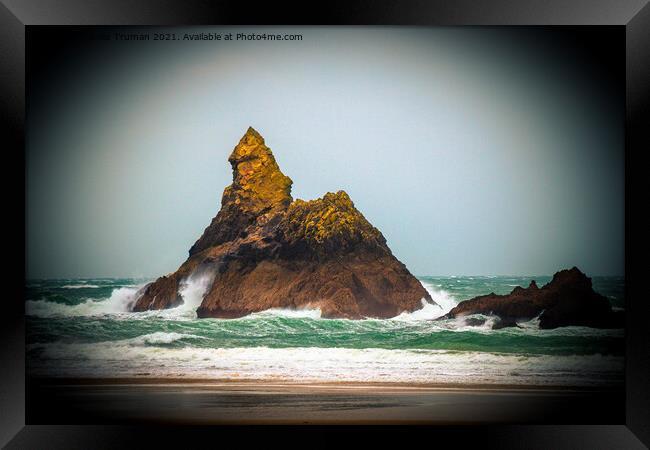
[
  {"x": 444, "y": 302},
  {"x": 192, "y": 290}
]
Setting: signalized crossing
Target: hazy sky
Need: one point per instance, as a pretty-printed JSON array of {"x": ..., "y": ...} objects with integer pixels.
[{"x": 474, "y": 151}]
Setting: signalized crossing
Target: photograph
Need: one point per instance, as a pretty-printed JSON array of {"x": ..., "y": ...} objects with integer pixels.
[{"x": 325, "y": 225}]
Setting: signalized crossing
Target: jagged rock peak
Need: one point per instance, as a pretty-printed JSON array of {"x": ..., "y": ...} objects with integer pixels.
[
  {"x": 258, "y": 184},
  {"x": 250, "y": 145}
]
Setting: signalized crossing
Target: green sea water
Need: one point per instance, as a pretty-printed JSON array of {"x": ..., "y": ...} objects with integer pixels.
[{"x": 84, "y": 328}]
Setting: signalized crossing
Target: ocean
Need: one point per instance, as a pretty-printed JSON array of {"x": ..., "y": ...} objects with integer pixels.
[{"x": 83, "y": 328}]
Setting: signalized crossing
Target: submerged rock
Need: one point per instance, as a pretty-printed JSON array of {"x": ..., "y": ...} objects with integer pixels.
[
  {"x": 265, "y": 250},
  {"x": 475, "y": 321},
  {"x": 568, "y": 299}
]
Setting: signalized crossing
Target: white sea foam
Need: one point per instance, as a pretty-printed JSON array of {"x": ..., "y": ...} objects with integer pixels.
[
  {"x": 138, "y": 356},
  {"x": 428, "y": 311}
]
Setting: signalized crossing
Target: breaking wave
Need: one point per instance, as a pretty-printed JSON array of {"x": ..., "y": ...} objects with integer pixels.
[
  {"x": 157, "y": 338},
  {"x": 120, "y": 301},
  {"x": 92, "y": 332},
  {"x": 326, "y": 364},
  {"x": 444, "y": 302},
  {"x": 80, "y": 286},
  {"x": 298, "y": 313}
]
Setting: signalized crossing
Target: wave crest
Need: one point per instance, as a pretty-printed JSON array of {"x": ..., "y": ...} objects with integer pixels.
[
  {"x": 298, "y": 313},
  {"x": 159, "y": 337},
  {"x": 120, "y": 301}
]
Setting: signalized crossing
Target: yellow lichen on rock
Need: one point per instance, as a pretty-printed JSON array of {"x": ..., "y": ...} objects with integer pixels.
[
  {"x": 258, "y": 184},
  {"x": 329, "y": 217}
]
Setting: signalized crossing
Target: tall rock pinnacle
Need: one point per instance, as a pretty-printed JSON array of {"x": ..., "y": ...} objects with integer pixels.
[
  {"x": 258, "y": 184},
  {"x": 258, "y": 191}
]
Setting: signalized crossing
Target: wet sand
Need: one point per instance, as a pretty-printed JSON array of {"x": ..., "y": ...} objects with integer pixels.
[{"x": 181, "y": 401}]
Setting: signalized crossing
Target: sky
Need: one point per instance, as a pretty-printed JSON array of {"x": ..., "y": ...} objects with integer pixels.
[{"x": 476, "y": 151}]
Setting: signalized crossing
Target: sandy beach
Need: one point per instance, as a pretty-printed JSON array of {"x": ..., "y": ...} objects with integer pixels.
[{"x": 195, "y": 401}]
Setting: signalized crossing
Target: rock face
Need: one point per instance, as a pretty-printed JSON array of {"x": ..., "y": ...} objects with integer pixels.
[
  {"x": 568, "y": 299},
  {"x": 265, "y": 250}
]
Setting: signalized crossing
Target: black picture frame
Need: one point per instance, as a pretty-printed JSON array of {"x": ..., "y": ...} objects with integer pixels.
[{"x": 16, "y": 15}]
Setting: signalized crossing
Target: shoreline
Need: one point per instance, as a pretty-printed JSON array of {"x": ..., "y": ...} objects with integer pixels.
[{"x": 288, "y": 385}]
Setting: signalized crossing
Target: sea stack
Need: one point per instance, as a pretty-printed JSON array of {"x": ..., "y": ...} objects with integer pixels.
[
  {"x": 567, "y": 300},
  {"x": 265, "y": 250}
]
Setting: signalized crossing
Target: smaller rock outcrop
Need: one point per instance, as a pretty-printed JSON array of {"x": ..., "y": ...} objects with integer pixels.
[{"x": 568, "y": 299}]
